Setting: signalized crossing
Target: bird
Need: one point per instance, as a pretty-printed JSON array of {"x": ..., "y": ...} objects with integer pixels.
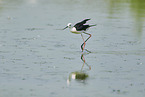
[{"x": 80, "y": 28}]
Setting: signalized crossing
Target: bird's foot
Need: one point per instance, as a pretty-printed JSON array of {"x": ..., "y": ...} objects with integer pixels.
[{"x": 88, "y": 51}]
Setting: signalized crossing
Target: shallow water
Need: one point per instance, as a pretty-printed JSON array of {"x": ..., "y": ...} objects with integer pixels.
[{"x": 36, "y": 59}]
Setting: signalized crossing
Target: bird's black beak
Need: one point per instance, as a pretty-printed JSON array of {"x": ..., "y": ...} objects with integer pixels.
[{"x": 65, "y": 28}]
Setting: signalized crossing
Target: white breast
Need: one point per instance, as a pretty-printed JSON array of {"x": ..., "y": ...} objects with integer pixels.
[{"x": 73, "y": 30}]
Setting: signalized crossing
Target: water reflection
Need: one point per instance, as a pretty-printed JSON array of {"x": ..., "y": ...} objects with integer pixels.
[
  {"x": 80, "y": 75},
  {"x": 84, "y": 62}
]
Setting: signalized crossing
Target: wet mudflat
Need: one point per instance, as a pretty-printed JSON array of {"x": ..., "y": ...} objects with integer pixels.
[{"x": 37, "y": 59}]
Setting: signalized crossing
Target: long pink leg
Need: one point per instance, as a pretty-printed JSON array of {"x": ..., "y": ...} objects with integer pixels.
[{"x": 83, "y": 45}]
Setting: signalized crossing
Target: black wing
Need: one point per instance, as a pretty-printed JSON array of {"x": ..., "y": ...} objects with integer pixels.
[
  {"x": 80, "y": 26},
  {"x": 82, "y": 22},
  {"x": 83, "y": 27}
]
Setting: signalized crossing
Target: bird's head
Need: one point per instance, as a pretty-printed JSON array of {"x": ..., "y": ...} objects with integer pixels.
[{"x": 68, "y": 26}]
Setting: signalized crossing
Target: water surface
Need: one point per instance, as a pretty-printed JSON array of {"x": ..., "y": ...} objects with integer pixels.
[{"x": 36, "y": 59}]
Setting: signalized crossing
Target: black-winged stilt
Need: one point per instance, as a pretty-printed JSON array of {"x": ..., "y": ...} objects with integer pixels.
[{"x": 80, "y": 28}]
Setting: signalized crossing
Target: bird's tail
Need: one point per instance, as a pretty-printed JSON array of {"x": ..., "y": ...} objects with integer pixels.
[{"x": 93, "y": 25}]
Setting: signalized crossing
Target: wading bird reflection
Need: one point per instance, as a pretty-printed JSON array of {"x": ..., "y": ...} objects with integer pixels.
[{"x": 79, "y": 75}]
